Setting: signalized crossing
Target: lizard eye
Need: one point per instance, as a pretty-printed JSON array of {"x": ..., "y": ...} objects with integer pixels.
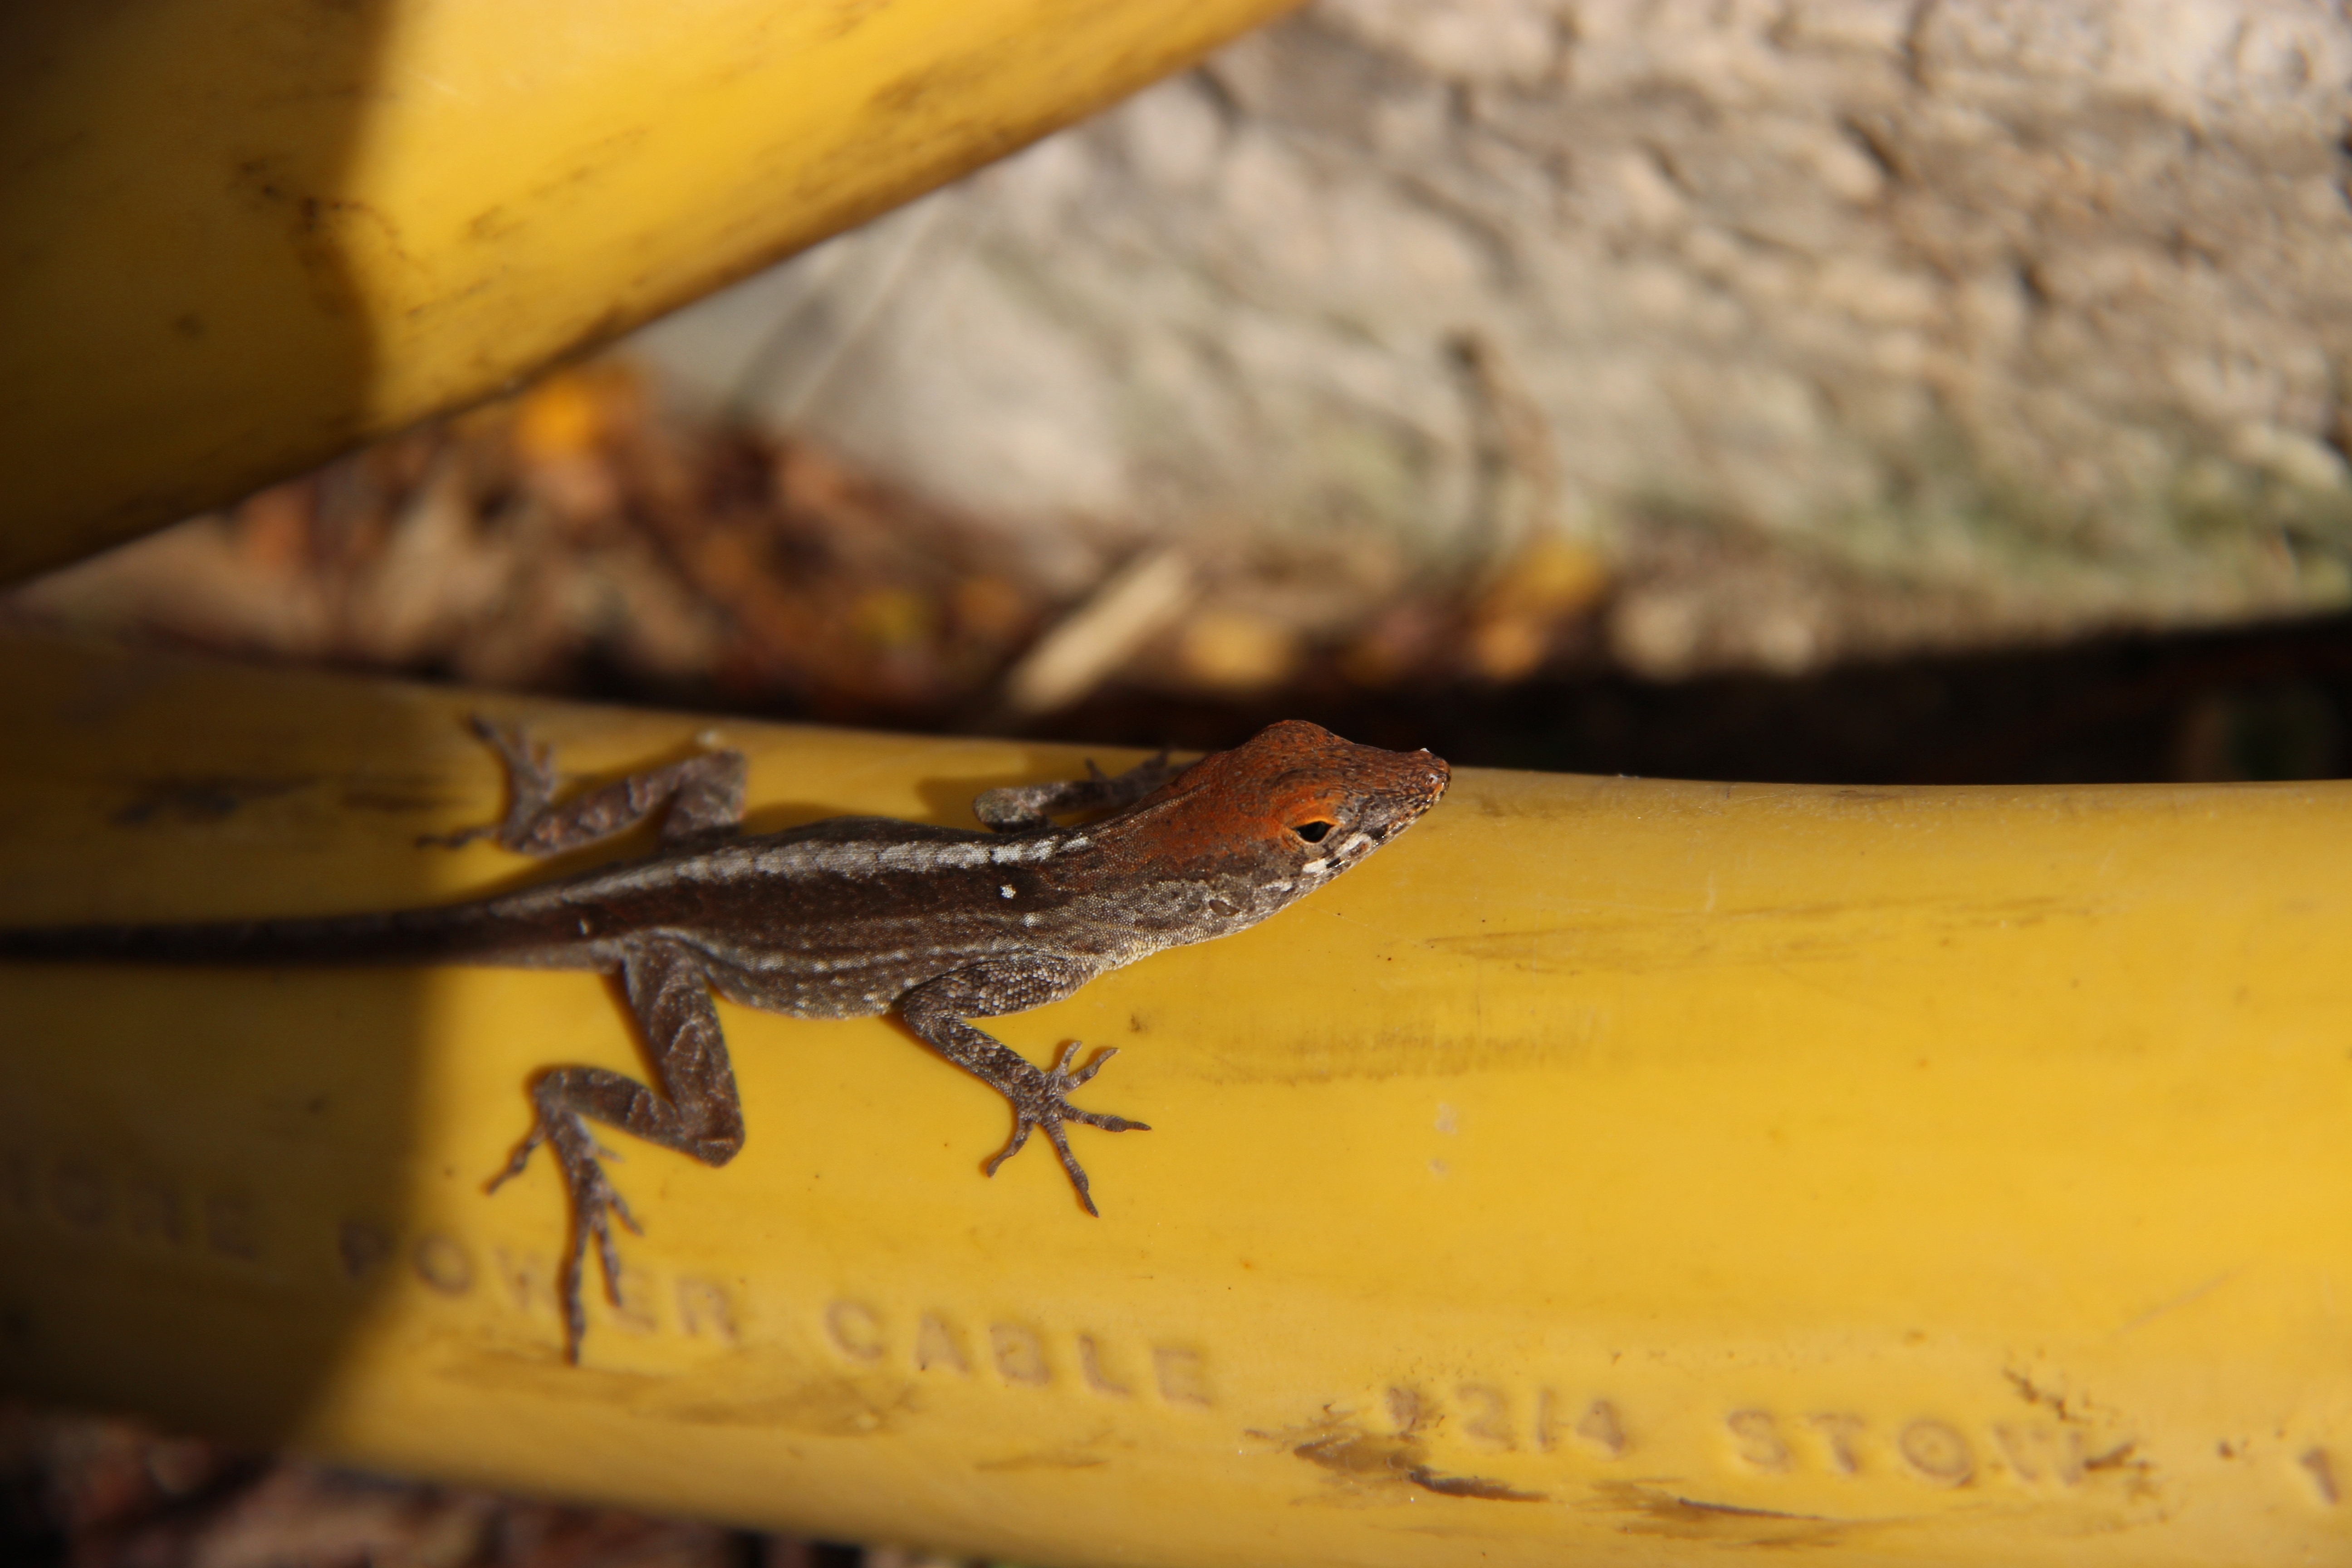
[{"x": 1312, "y": 832}]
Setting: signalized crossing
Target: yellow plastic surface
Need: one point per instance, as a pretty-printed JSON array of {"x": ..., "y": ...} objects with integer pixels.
[
  {"x": 243, "y": 235},
  {"x": 1609, "y": 1172}
]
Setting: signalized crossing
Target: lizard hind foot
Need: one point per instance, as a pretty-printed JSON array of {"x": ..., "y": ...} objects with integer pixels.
[
  {"x": 1048, "y": 1107},
  {"x": 595, "y": 1204}
]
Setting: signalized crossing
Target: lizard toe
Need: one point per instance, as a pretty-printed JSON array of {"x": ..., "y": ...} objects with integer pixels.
[
  {"x": 521, "y": 1159},
  {"x": 1062, "y": 1078},
  {"x": 1076, "y": 1173},
  {"x": 1023, "y": 1122},
  {"x": 1106, "y": 1121}
]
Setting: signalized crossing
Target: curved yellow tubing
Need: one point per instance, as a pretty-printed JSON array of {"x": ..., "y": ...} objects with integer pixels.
[
  {"x": 1610, "y": 1171},
  {"x": 243, "y": 235}
]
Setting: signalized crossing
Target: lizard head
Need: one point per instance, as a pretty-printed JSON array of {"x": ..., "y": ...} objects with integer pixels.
[{"x": 1295, "y": 804}]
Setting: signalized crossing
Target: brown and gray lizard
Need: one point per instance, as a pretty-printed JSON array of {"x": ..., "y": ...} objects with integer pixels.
[{"x": 843, "y": 919}]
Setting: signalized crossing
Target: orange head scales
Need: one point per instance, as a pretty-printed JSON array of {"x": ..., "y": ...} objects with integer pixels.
[{"x": 1285, "y": 811}]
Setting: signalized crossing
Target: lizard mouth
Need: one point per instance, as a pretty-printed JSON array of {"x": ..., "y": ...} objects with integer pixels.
[{"x": 1403, "y": 810}]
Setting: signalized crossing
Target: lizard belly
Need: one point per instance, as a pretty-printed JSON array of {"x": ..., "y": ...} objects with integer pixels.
[
  {"x": 829, "y": 985},
  {"x": 834, "y": 996}
]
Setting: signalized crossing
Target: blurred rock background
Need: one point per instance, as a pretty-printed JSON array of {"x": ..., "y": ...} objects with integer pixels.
[
  {"x": 1994, "y": 319},
  {"x": 1831, "y": 390}
]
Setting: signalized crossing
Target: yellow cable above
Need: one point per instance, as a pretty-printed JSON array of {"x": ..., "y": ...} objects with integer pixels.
[
  {"x": 243, "y": 235},
  {"x": 1610, "y": 1171}
]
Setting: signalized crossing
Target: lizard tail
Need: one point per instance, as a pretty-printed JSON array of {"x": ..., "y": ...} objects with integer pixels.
[{"x": 399, "y": 936}]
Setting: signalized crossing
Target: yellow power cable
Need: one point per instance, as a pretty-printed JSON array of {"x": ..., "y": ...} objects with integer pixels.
[
  {"x": 1610, "y": 1171},
  {"x": 244, "y": 234}
]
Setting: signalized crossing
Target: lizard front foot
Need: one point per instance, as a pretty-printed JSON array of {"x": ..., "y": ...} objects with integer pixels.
[
  {"x": 1041, "y": 1099},
  {"x": 595, "y": 1204}
]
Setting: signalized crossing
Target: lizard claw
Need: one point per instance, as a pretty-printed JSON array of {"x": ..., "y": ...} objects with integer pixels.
[{"x": 1046, "y": 1107}]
